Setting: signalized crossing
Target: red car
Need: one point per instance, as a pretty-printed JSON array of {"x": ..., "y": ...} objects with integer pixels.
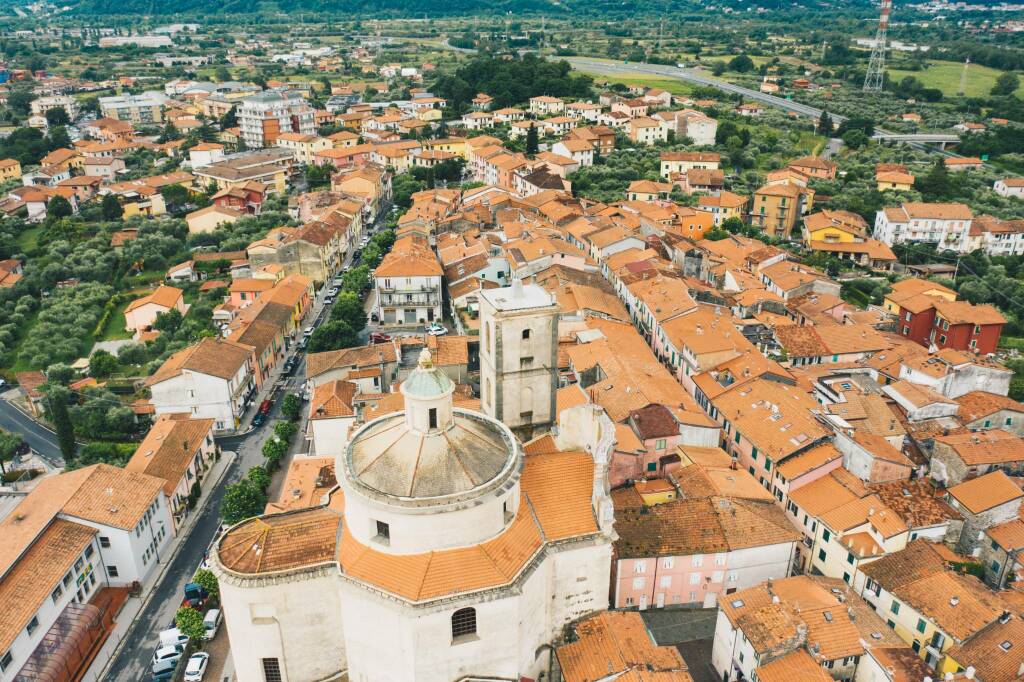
[
  {"x": 265, "y": 407},
  {"x": 379, "y": 338}
]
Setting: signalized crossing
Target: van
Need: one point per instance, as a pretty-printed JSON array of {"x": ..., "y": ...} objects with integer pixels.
[
  {"x": 172, "y": 637},
  {"x": 211, "y": 622}
]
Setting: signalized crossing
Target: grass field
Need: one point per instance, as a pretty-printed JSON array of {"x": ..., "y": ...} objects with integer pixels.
[
  {"x": 676, "y": 87},
  {"x": 29, "y": 239},
  {"x": 946, "y": 77},
  {"x": 115, "y": 331}
]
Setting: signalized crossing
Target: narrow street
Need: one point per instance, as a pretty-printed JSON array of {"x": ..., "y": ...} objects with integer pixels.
[
  {"x": 132, "y": 664},
  {"x": 38, "y": 437}
]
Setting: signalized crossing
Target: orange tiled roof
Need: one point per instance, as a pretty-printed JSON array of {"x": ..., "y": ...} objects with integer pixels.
[
  {"x": 169, "y": 447},
  {"x": 615, "y": 642}
]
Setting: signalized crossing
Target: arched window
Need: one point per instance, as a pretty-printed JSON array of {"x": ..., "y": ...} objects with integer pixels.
[
  {"x": 526, "y": 334},
  {"x": 463, "y": 623}
]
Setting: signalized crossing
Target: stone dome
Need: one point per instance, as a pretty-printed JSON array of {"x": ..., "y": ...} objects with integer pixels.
[{"x": 430, "y": 453}]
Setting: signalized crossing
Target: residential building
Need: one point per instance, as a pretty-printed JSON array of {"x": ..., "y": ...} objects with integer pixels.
[
  {"x": 1009, "y": 187},
  {"x": 546, "y": 106},
  {"x": 723, "y": 206},
  {"x": 141, "y": 313},
  {"x": 303, "y": 145},
  {"x": 179, "y": 450},
  {"x": 266, "y": 116},
  {"x": 929, "y": 606},
  {"x": 139, "y": 110},
  {"x": 956, "y": 457},
  {"x": 696, "y": 551},
  {"x": 807, "y": 628},
  {"x": 946, "y": 225},
  {"x": 408, "y": 283},
  {"x": 74, "y": 535},
  {"x": 270, "y": 167},
  {"x": 618, "y": 645},
  {"x": 209, "y": 379},
  {"x": 985, "y": 501},
  {"x": 777, "y": 208},
  {"x": 10, "y": 169}
]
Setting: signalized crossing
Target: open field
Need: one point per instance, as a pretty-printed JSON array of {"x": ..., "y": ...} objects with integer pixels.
[{"x": 946, "y": 77}]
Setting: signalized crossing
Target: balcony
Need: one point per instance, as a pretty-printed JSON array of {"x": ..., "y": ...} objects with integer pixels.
[{"x": 405, "y": 288}]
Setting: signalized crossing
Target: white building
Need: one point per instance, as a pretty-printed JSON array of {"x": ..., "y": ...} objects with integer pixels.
[
  {"x": 1009, "y": 187},
  {"x": 518, "y": 349},
  {"x": 946, "y": 225},
  {"x": 210, "y": 379},
  {"x": 72, "y": 535},
  {"x": 66, "y": 102},
  {"x": 696, "y": 126},
  {"x": 263, "y": 117},
  {"x": 332, "y": 414},
  {"x": 546, "y": 106},
  {"x": 408, "y": 283},
  {"x": 453, "y": 556}
]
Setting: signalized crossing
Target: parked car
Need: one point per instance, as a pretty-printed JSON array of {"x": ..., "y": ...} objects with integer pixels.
[
  {"x": 435, "y": 330},
  {"x": 195, "y": 595},
  {"x": 166, "y": 658},
  {"x": 289, "y": 365},
  {"x": 308, "y": 331},
  {"x": 301, "y": 345},
  {"x": 258, "y": 419},
  {"x": 163, "y": 676},
  {"x": 172, "y": 637},
  {"x": 265, "y": 408},
  {"x": 211, "y": 622},
  {"x": 377, "y": 337},
  {"x": 196, "y": 667},
  {"x": 329, "y": 300},
  {"x": 333, "y": 291}
]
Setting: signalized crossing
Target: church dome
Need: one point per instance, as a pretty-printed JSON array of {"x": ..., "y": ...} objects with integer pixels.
[{"x": 430, "y": 453}]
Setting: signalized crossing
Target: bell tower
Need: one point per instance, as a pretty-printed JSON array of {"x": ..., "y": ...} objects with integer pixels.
[{"x": 518, "y": 357}]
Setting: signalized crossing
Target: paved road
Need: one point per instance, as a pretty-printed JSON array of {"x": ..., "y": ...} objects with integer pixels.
[
  {"x": 38, "y": 437},
  {"x": 832, "y": 148},
  {"x": 133, "y": 660}
]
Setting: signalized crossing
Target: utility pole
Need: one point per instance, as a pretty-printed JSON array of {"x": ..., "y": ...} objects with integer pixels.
[
  {"x": 876, "y": 65},
  {"x": 963, "y": 77}
]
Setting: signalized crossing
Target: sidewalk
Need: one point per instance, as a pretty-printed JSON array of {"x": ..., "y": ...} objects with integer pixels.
[{"x": 131, "y": 609}]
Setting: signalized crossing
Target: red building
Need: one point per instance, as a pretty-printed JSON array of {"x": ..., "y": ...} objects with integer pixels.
[
  {"x": 247, "y": 197},
  {"x": 951, "y": 324}
]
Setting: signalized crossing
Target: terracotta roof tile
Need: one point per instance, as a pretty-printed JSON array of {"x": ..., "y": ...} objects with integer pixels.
[
  {"x": 614, "y": 642},
  {"x": 985, "y": 492},
  {"x": 169, "y": 447},
  {"x": 796, "y": 665}
]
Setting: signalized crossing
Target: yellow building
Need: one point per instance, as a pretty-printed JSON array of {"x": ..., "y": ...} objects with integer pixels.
[
  {"x": 777, "y": 208},
  {"x": 303, "y": 146},
  {"x": 908, "y": 288},
  {"x": 834, "y": 227},
  {"x": 893, "y": 178},
  {"x": 10, "y": 169},
  {"x": 454, "y": 145}
]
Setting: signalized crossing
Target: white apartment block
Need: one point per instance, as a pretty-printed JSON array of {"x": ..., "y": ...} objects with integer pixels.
[
  {"x": 946, "y": 225},
  {"x": 263, "y": 117}
]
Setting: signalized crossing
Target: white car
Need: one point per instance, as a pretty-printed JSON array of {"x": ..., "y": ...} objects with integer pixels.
[
  {"x": 196, "y": 667},
  {"x": 436, "y": 330},
  {"x": 166, "y": 658},
  {"x": 308, "y": 331},
  {"x": 211, "y": 623}
]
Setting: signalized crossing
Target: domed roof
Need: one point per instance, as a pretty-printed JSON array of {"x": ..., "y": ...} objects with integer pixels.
[
  {"x": 426, "y": 381},
  {"x": 389, "y": 457}
]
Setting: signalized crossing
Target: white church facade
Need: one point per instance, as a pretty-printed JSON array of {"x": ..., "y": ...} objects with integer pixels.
[{"x": 445, "y": 552}]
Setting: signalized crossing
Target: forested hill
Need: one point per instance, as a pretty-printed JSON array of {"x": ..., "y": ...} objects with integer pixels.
[{"x": 419, "y": 8}]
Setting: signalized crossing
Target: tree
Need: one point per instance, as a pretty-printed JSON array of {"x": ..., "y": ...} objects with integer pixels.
[
  {"x": 825, "y": 125},
  {"x": 274, "y": 450},
  {"x": 20, "y": 100},
  {"x": 222, "y": 74},
  {"x": 242, "y": 500},
  {"x": 57, "y": 406},
  {"x": 102, "y": 364},
  {"x": 205, "y": 578},
  {"x": 1006, "y": 84},
  {"x": 286, "y": 430},
  {"x": 733, "y": 225},
  {"x": 230, "y": 119},
  {"x": 168, "y": 322},
  {"x": 349, "y": 307},
  {"x": 111, "y": 208},
  {"x": 9, "y": 444},
  {"x": 58, "y": 138},
  {"x": 57, "y": 116},
  {"x": 935, "y": 185},
  {"x": 854, "y": 139},
  {"x": 291, "y": 406},
  {"x": 532, "y": 141},
  {"x": 175, "y": 195},
  {"x": 259, "y": 477},
  {"x": 718, "y": 68},
  {"x": 58, "y": 207},
  {"x": 333, "y": 335},
  {"x": 741, "y": 64},
  {"x": 190, "y": 623}
]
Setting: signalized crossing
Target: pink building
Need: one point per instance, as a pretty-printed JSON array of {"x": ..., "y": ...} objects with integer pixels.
[{"x": 690, "y": 551}]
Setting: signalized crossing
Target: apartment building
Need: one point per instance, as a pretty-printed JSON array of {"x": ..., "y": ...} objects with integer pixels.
[
  {"x": 264, "y": 117},
  {"x": 945, "y": 225},
  {"x": 140, "y": 110}
]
